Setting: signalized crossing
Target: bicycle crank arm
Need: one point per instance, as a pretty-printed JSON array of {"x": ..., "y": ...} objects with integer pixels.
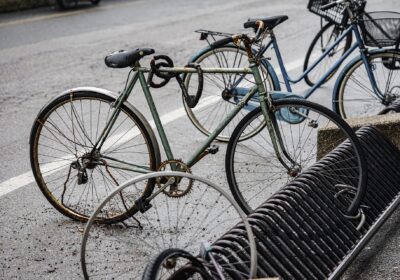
[
  {"x": 144, "y": 204},
  {"x": 210, "y": 150},
  {"x": 161, "y": 189}
]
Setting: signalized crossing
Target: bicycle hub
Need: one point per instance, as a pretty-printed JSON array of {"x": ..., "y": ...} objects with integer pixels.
[{"x": 226, "y": 94}]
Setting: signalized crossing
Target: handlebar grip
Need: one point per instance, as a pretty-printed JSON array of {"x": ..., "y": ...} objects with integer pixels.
[
  {"x": 221, "y": 42},
  {"x": 329, "y": 6},
  {"x": 250, "y": 23}
]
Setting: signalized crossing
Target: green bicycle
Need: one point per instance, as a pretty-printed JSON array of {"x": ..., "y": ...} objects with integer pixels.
[{"x": 86, "y": 141}]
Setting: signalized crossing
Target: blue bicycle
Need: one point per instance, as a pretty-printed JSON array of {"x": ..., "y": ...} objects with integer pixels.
[{"x": 368, "y": 84}]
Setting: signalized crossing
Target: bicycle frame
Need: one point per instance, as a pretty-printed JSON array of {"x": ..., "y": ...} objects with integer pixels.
[
  {"x": 353, "y": 27},
  {"x": 201, "y": 151}
]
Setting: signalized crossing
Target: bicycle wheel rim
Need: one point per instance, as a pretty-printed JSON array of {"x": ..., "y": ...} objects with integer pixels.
[
  {"x": 212, "y": 107},
  {"x": 58, "y": 181},
  {"x": 356, "y": 96},
  {"x": 88, "y": 267},
  {"x": 238, "y": 167}
]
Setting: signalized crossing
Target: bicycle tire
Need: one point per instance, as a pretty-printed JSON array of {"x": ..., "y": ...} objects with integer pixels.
[
  {"x": 157, "y": 265},
  {"x": 313, "y": 48},
  {"x": 61, "y": 144},
  {"x": 242, "y": 156},
  {"x": 353, "y": 95},
  {"x": 203, "y": 214},
  {"x": 212, "y": 107}
]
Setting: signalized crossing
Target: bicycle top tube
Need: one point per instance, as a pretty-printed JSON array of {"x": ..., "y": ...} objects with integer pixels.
[
  {"x": 245, "y": 70},
  {"x": 282, "y": 67}
]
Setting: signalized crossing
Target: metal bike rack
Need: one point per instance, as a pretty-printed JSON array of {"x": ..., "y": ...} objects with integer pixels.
[
  {"x": 300, "y": 231},
  {"x": 394, "y": 107}
]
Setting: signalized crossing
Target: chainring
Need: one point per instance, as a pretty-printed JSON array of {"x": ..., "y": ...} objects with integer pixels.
[{"x": 178, "y": 188}]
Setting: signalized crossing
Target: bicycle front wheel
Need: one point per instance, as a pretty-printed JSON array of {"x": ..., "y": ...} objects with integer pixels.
[
  {"x": 308, "y": 132},
  {"x": 175, "y": 264},
  {"x": 203, "y": 213},
  {"x": 72, "y": 177},
  {"x": 355, "y": 95},
  {"x": 321, "y": 42},
  {"x": 222, "y": 92}
]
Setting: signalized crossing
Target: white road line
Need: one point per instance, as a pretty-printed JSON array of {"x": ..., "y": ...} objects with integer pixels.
[
  {"x": 27, "y": 178},
  {"x": 40, "y": 18}
]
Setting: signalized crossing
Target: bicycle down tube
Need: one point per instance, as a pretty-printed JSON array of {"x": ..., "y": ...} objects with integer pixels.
[
  {"x": 164, "y": 140},
  {"x": 139, "y": 75},
  {"x": 198, "y": 154}
]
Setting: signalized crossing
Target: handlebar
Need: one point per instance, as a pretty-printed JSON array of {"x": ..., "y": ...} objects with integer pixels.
[
  {"x": 259, "y": 24},
  {"x": 353, "y": 7},
  {"x": 335, "y": 3},
  {"x": 329, "y": 6}
]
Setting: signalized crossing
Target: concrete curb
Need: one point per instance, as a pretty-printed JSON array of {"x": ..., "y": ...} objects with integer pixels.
[{"x": 388, "y": 124}]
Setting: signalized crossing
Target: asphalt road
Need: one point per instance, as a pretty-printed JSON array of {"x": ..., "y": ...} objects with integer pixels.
[{"x": 44, "y": 52}]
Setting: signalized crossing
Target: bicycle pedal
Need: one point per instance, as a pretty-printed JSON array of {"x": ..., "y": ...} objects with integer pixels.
[
  {"x": 143, "y": 206},
  {"x": 213, "y": 149}
]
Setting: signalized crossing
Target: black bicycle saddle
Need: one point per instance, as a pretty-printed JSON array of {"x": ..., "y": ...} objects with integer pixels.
[
  {"x": 269, "y": 22},
  {"x": 122, "y": 59}
]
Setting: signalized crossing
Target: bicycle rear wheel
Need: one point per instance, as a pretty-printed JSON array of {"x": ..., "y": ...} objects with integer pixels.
[
  {"x": 221, "y": 92},
  {"x": 324, "y": 38},
  {"x": 202, "y": 213},
  {"x": 355, "y": 96},
  {"x": 72, "y": 178},
  {"x": 309, "y": 131}
]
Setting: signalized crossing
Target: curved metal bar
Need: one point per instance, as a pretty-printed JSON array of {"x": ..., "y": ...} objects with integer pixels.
[{"x": 253, "y": 253}]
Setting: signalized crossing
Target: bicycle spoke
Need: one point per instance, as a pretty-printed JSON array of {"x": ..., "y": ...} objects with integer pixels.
[
  {"x": 227, "y": 88},
  {"x": 357, "y": 96},
  {"x": 68, "y": 133},
  {"x": 254, "y": 170},
  {"x": 182, "y": 222}
]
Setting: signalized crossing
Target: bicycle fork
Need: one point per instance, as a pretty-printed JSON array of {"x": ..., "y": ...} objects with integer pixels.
[{"x": 267, "y": 109}]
